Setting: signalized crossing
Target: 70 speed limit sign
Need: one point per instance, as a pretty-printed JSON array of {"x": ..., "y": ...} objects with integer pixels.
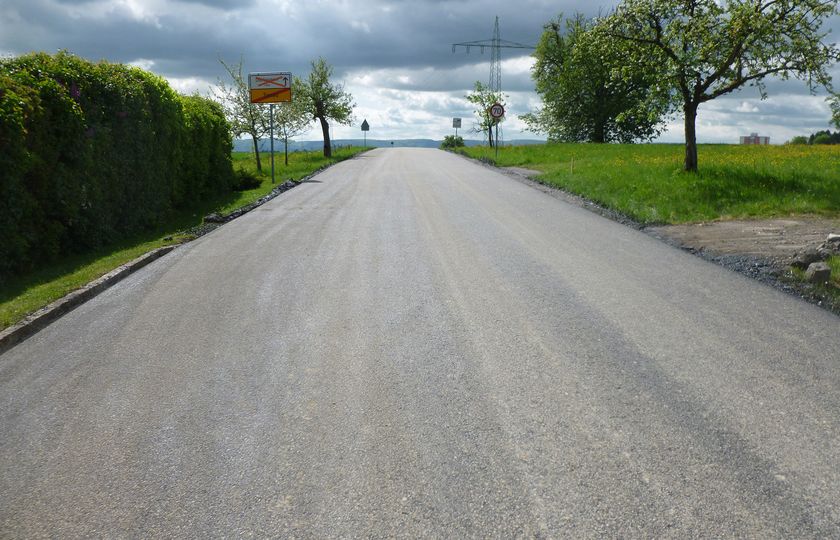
[{"x": 497, "y": 110}]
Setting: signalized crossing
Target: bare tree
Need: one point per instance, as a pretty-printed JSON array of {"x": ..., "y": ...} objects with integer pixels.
[
  {"x": 244, "y": 117},
  {"x": 293, "y": 118}
]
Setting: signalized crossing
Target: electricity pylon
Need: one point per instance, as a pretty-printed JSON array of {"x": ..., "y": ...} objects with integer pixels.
[{"x": 496, "y": 44}]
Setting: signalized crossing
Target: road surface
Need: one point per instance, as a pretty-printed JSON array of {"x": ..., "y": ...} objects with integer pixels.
[{"x": 414, "y": 345}]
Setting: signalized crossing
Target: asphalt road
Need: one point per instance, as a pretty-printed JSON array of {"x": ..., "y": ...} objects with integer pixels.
[{"x": 415, "y": 345}]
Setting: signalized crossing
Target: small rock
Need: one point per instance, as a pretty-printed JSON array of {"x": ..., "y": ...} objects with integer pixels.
[
  {"x": 833, "y": 239},
  {"x": 818, "y": 272},
  {"x": 213, "y": 218},
  {"x": 806, "y": 258}
]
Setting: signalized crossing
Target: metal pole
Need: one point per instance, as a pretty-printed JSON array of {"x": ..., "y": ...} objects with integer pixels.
[
  {"x": 497, "y": 139},
  {"x": 271, "y": 136}
]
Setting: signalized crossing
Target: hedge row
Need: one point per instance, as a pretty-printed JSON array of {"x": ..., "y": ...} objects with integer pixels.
[{"x": 93, "y": 152}]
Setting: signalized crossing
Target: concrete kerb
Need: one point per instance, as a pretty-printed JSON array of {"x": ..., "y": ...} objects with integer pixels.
[{"x": 39, "y": 320}]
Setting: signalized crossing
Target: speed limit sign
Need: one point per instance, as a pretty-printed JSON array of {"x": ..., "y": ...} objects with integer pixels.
[{"x": 497, "y": 110}]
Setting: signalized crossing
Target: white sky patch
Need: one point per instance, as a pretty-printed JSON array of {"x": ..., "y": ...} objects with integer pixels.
[
  {"x": 361, "y": 26},
  {"x": 191, "y": 85},
  {"x": 144, "y": 63},
  {"x": 746, "y": 107}
]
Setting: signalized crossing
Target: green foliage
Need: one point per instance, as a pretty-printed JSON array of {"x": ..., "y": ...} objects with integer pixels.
[
  {"x": 582, "y": 99},
  {"x": 644, "y": 181},
  {"x": 325, "y": 100},
  {"x": 799, "y": 139},
  {"x": 246, "y": 180},
  {"x": 92, "y": 153},
  {"x": 704, "y": 49},
  {"x": 824, "y": 137},
  {"x": 482, "y": 97},
  {"x": 452, "y": 141},
  {"x": 834, "y": 102}
]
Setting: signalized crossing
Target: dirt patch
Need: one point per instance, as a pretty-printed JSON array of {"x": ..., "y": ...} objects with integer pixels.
[
  {"x": 761, "y": 249},
  {"x": 774, "y": 240}
]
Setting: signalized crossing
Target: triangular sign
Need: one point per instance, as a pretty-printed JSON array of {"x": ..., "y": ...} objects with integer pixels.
[{"x": 365, "y": 125}]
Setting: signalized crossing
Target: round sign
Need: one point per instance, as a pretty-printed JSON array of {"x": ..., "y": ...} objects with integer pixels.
[{"x": 497, "y": 110}]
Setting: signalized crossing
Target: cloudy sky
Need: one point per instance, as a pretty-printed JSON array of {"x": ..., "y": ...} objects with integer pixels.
[{"x": 394, "y": 56}]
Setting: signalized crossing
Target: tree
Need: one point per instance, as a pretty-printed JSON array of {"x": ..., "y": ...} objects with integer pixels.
[
  {"x": 483, "y": 98},
  {"x": 452, "y": 141},
  {"x": 326, "y": 101},
  {"x": 704, "y": 49},
  {"x": 244, "y": 117},
  {"x": 834, "y": 101},
  {"x": 582, "y": 101},
  {"x": 799, "y": 139},
  {"x": 293, "y": 118}
]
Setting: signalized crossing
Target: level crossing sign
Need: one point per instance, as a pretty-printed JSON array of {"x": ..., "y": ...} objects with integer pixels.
[{"x": 270, "y": 87}]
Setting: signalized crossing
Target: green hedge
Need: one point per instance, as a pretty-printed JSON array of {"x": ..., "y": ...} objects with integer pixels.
[{"x": 93, "y": 152}]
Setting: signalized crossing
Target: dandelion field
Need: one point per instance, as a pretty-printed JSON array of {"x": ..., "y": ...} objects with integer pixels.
[{"x": 646, "y": 181}]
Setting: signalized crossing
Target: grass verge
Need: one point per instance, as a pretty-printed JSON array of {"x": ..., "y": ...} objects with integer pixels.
[
  {"x": 25, "y": 294},
  {"x": 646, "y": 183}
]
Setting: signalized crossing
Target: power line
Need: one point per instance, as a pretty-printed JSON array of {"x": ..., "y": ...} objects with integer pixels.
[{"x": 495, "y": 44}]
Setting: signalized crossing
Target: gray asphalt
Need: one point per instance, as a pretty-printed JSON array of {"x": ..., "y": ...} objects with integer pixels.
[{"x": 415, "y": 345}]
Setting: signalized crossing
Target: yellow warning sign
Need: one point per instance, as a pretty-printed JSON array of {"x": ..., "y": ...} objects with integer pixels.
[{"x": 271, "y": 95}]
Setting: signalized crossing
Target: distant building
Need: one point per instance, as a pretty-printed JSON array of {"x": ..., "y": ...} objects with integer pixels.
[{"x": 753, "y": 138}]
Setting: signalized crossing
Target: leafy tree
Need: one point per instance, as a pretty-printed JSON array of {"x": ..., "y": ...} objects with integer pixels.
[
  {"x": 482, "y": 97},
  {"x": 824, "y": 137},
  {"x": 704, "y": 49},
  {"x": 292, "y": 119},
  {"x": 452, "y": 141},
  {"x": 326, "y": 101},
  {"x": 834, "y": 101},
  {"x": 244, "y": 117},
  {"x": 799, "y": 139},
  {"x": 582, "y": 100}
]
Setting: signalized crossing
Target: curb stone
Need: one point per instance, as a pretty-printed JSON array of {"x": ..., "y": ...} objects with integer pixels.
[{"x": 39, "y": 320}]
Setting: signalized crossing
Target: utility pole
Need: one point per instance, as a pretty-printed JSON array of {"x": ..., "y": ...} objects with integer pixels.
[{"x": 495, "y": 44}]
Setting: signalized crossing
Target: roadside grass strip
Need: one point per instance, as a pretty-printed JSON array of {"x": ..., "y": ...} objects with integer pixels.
[{"x": 646, "y": 182}]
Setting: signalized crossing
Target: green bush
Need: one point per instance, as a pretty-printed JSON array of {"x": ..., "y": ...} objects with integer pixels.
[
  {"x": 94, "y": 152},
  {"x": 246, "y": 180},
  {"x": 452, "y": 141}
]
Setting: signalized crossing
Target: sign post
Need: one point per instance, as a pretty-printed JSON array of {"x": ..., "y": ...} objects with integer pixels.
[
  {"x": 456, "y": 123},
  {"x": 497, "y": 112},
  {"x": 365, "y": 129},
  {"x": 270, "y": 87},
  {"x": 271, "y": 136}
]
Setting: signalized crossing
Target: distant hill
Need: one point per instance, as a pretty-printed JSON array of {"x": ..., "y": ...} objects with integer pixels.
[{"x": 245, "y": 145}]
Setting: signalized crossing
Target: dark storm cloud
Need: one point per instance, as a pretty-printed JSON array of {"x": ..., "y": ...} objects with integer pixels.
[
  {"x": 351, "y": 36},
  {"x": 404, "y": 46},
  {"x": 228, "y": 5}
]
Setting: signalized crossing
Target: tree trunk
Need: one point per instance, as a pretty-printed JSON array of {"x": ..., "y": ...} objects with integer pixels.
[
  {"x": 286, "y": 149},
  {"x": 257, "y": 152},
  {"x": 690, "y": 110},
  {"x": 325, "y": 127},
  {"x": 490, "y": 134},
  {"x": 599, "y": 133}
]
